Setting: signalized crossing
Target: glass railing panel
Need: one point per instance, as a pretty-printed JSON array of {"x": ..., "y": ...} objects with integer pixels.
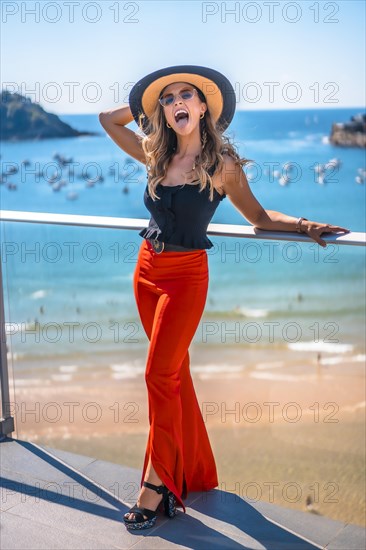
[
  {"x": 72, "y": 327},
  {"x": 277, "y": 359},
  {"x": 280, "y": 369}
]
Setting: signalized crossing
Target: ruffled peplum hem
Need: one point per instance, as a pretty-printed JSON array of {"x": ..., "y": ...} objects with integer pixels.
[
  {"x": 180, "y": 240},
  {"x": 190, "y": 241}
]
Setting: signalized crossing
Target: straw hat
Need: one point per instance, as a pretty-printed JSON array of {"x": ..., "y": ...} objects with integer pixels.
[{"x": 218, "y": 91}]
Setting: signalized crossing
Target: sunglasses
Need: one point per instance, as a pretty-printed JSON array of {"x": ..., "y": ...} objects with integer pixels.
[{"x": 169, "y": 99}]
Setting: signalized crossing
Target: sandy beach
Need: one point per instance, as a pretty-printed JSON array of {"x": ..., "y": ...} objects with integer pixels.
[{"x": 284, "y": 427}]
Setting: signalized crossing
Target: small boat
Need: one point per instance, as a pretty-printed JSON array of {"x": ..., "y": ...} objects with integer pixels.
[{"x": 72, "y": 195}]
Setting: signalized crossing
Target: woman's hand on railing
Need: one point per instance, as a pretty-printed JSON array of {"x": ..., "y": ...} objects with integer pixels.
[{"x": 315, "y": 229}]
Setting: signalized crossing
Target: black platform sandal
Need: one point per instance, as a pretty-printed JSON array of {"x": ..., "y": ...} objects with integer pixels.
[{"x": 139, "y": 522}]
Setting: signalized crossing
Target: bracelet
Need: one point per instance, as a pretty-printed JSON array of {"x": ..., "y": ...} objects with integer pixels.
[{"x": 298, "y": 224}]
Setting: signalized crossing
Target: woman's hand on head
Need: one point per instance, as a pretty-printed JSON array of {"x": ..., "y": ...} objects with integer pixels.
[{"x": 114, "y": 122}]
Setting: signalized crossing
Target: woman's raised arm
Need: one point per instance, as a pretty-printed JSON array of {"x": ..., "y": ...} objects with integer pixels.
[{"x": 114, "y": 122}]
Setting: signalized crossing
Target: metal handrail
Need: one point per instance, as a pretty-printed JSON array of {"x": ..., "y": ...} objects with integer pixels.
[{"x": 219, "y": 229}]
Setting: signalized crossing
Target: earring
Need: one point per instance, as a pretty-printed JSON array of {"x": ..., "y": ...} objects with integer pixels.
[
  {"x": 168, "y": 125},
  {"x": 202, "y": 115}
]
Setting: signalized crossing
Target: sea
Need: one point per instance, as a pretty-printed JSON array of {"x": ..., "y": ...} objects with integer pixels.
[{"x": 68, "y": 289}]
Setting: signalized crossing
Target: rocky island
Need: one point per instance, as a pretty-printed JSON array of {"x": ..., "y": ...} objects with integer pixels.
[
  {"x": 20, "y": 119},
  {"x": 349, "y": 134}
]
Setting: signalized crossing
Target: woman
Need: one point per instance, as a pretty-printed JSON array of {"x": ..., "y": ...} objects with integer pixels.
[{"x": 182, "y": 112}]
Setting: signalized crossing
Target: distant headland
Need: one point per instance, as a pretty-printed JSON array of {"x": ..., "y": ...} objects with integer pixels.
[
  {"x": 20, "y": 119},
  {"x": 349, "y": 134}
]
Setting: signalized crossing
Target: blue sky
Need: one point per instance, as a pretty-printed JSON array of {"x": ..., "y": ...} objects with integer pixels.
[{"x": 311, "y": 54}]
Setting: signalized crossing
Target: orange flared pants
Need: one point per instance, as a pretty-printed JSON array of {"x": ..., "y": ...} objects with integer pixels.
[{"x": 170, "y": 290}]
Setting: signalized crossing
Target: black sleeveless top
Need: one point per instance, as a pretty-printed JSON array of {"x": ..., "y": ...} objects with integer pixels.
[{"x": 181, "y": 215}]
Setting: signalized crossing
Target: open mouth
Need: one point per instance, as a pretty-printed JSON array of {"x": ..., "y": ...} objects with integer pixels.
[{"x": 181, "y": 117}]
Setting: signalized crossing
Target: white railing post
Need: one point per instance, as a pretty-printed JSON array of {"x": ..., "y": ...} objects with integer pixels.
[{"x": 6, "y": 421}]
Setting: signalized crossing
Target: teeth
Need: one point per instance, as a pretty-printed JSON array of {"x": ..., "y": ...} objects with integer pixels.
[{"x": 181, "y": 111}]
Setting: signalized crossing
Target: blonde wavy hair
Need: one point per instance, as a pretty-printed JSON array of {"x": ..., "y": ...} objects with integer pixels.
[{"x": 159, "y": 144}]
